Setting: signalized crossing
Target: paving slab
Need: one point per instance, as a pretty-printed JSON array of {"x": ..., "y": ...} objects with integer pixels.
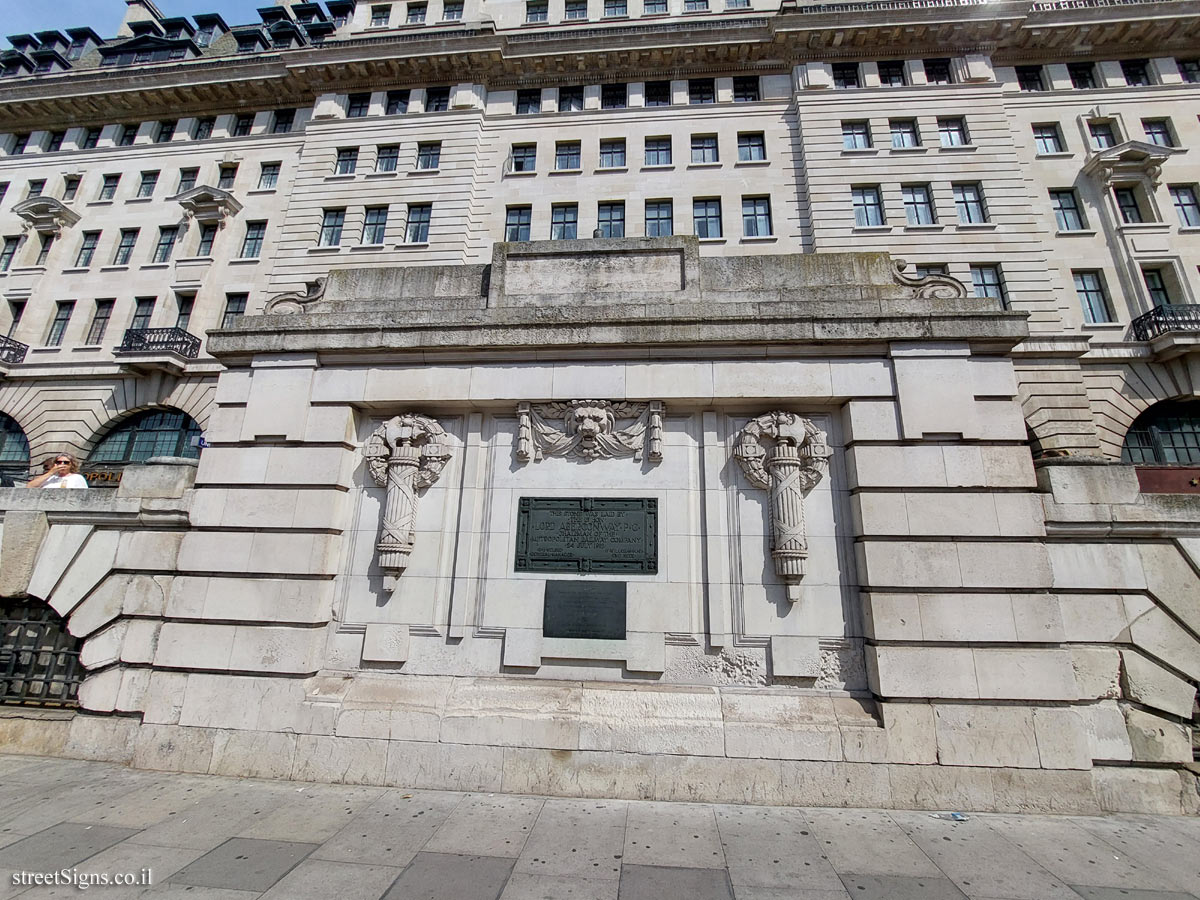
[
  {"x": 314, "y": 814},
  {"x": 1105, "y": 893},
  {"x": 580, "y": 838},
  {"x": 867, "y": 842},
  {"x": 1152, "y": 842},
  {"x": 522, "y": 886},
  {"x": 901, "y": 887},
  {"x": 487, "y": 825},
  {"x": 753, "y": 892},
  {"x": 773, "y": 847},
  {"x": 244, "y": 864},
  {"x": 446, "y": 876},
  {"x": 673, "y": 834},
  {"x": 391, "y": 830},
  {"x": 323, "y": 879},
  {"x": 63, "y": 845},
  {"x": 657, "y": 882},
  {"x": 213, "y": 819}
]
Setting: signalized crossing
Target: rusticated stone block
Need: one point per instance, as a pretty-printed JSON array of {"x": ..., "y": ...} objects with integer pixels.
[
  {"x": 1155, "y": 739},
  {"x": 1151, "y": 685},
  {"x": 24, "y": 531}
]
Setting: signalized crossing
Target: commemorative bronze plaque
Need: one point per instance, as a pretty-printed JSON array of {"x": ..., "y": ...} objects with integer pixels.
[
  {"x": 584, "y": 609},
  {"x": 617, "y": 535}
]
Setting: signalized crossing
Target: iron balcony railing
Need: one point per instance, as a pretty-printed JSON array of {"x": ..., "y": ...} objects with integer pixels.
[
  {"x": 12, "y": 351},
  {"x": 160, "y": 340},
  {"x": 1166, "y": 318}
]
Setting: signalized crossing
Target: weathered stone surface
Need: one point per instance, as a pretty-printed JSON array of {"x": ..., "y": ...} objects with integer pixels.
[
  {"x": 1134, "y": 790},
  {"x": 488, "y": 711},
  {"x": 1097, "y": 672},
  {"x": 651, "y": 720},
  {"x": 780, "y": 726},
  {"x": 1150, "y": 684},
  {"x": 106, "y": 738},
  {"x": 1155, "y": 739},
  {"x": 20, "y": 543},
  {"x": 978, "y": 735},
  {"x": 1062, "y": 737}
]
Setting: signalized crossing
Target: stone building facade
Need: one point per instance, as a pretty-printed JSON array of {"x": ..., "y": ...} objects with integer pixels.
[{"x": 851, "y": 348}]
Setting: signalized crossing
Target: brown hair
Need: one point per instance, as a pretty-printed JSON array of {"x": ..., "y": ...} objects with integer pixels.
[{"x": 48, "y": 464}]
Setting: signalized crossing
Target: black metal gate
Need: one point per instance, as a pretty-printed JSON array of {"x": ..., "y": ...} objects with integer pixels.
[{"x": 39, "y": 660}]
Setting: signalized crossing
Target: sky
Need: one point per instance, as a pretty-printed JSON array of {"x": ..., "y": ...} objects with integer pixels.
[{"x": 104, "y": 16}]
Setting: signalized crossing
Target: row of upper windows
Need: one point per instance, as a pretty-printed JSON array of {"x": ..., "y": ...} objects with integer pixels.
[
  {"x": 1134, "y": 206},
  {"x": 659, "y": 219},
  {"x": 147, "y": 183},
  {"x": 919, "y": 204},
  {"x": 905, "y": 133},
  {"x": 1102, "y": 134},
  {"x": 1162, "y": 282},
  {"x": 416, "y": 12},
  {"x": 1086, "y": 75}
]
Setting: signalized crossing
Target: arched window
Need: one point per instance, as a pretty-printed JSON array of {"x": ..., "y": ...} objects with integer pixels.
[
  {"x": 1167, "y": 434},
  {"x": 155, "y": 432},
  {"x": 14, "y": 449}
]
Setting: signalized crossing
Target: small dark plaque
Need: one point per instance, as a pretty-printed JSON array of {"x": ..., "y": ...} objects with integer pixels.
[
  {"x": 586, "y": 534},
  {"x": 584, "y": 609}
]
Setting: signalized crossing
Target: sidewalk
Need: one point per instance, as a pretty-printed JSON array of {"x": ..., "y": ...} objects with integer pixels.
[{"x": 212, "y": 838}]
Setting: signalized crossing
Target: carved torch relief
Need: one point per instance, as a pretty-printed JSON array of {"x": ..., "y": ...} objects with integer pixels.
[
  {"x": 787, "y": 455},
  {"x": 405, "y": 454}
]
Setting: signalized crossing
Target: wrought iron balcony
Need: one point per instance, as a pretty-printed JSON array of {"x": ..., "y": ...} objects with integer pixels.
[
  {"x": 12, "y": 351},
  {"x": 1164, "y": 319},
  {"x": 160, "y": 340}
]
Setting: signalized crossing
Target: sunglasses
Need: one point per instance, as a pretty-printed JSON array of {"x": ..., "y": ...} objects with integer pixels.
[{"x": 66, "y": 461}]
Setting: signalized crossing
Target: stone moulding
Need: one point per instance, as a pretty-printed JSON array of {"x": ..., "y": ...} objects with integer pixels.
[
  {"x": 405, "y": 454},
  {"x": 45, "y": 215},
  {"x": 588, "y": 429},
  {"x": 788, "y": 469}
]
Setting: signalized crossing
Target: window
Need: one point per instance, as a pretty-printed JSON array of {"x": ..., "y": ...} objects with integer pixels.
[
  {"x": 564, "y": 222},
  {"x": 143, "y": 310},
  {"x": 704, "y": 148},
  {"x": 968, "y": 200},
  {"x": 419, "y": 215},
  {"x": 184, "y": 303},
  {"x": 283, "y": 121},
  {"x": 208, "y": 234},
  {"x": 517, "y": 220},
  {"x": 952, "y": 132},
  {"x": 752, "y": 146},
  {"x": 87, "y": 249},
  {"x": 610, "y": 219},
  {"x": 891, "y": 73},
  {"x": 1128, "y": 205},
  {"x": 380, "y": 15},
  {"x": 756, "y": 216},
  {"x": 125, "y": 247},
  {"x": 658, "y": 151},
  {"x": 924, "y": 270},
  {"x": 235, "y": 308},
  {"x": 868, "y": 206},
  {"x": 612, "y": 154},
  {"x": 126, "y": 134},
  {"x": 706, "y": 217},
  {"x": 737, "y": 4},
  {"x": 1102, "y": 135},
  {"x": 374, "y": 224},
  {"x": 524, "y": 157},
  {"x": 358, "y": 105},
  {"x": 44, "y": 251},
  {"x": 537, "y": 10},
  {"x": 165, "y": 131},
  {"x": 155, "y": 432},
  {"x": 1158, "y": 131},
  {"x": 99, "y": 324},
  {"x": 695, "y": 5},
  {"x": 429, "y": 155},
  {"x": 36, "y": 186},
  {"x": 347, "y": 161},
  {"x": 1167, "y": 434},
  {"x": 658, "y": 93},
  {"x": 1136, "y": 71},
  {"x": 17, "y": 310},
  {"x": 745, "y": 89},
  {"x": 529, "y": 101},
  {"x": 147, "y": 185},
  {"x": 397, "y": 102},
  {"x": 242, "y": 125},
  {"x": 856, "y": 135},
  {"x": 1029, "y": 78},
  {"x": 19, "y": 144},
  {"x": 1090, "y": 288},
  {"x": 56, "y": 141},
  {"x": 203, "y": 128},
  {"x": 845, "y": 75},
  {"x": 904, "y": 133},
  {"x": 415, "y": 14},
  {"x": 247, "y": 43},
  {"x": 331, "y": 228},
  {"x": 1047, "y": 138},
  {"x": 613, "y": 96},
  {"x": 253, "y": 242},
  {"x": 567, "y": 156},
  {"x": 1156, "y": 286},
  {"x": 75, "y": 49},
  {"x": 615, "y": 8},
  {"x": 3, "y": 189},
  {"x": 1189, "y": 70},
  {"x": 388, "y": 157},
  {"x": 437, "y": 99},
  {"x": 70, "y": 187},
  {"x": 1184, "y": 198},
  {"x": 268, "y": 176},
  {"x": 166, "y": 244},
  {"x": 204, "y": 36},
  {"x": 702, "y": 90},
  {"x": 62, "y": 315},
  {"x": 1067, "y": 214},
  {"x": 918, "y": 204},
  {"x": 187, "y": 179},
  {"x": 452, "y": 10},
  {"x": 8, "y": 252},
  {"x": 987, "y": 283},
  {"x": 937, "y": 71},
  {"x": 660, "y": 218},
  {"x": 1083, "y": 75},
  {"x": 570, "y": 99},
  {"x": 90, "y": 139}
]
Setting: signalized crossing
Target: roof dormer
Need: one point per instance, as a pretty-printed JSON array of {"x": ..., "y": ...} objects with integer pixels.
[
  {"x": 177, "y": 27},
  {"x": 14, "y": 64},
  {"x": 23, "y": 43},
  {"x": 146, "y": 27},
  {"x": 209, "y": 27},
  {"x": 48, "y": 60},
  {"x": 52, "y": 40},
  {"x": 272, "y": 14},
  {"x": 82, "y": 41}
]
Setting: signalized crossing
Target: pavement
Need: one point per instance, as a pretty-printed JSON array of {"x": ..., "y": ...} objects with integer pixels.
[{"x": 212, "y": 838}]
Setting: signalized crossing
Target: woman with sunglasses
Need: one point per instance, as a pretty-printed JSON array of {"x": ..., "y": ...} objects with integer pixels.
[{"x": 61, "y": 471}]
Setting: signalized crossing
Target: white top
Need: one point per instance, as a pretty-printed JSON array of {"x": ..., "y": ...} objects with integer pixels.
[{"x": 70, "y": 481}]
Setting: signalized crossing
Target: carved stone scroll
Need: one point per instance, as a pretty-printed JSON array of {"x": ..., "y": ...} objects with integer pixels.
[
  {"x": 934, "y": 287},
  {"x": 405, "y": 454},
  {"x": 791, "y": 465},
  {"x": 588, "y": 429}
]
